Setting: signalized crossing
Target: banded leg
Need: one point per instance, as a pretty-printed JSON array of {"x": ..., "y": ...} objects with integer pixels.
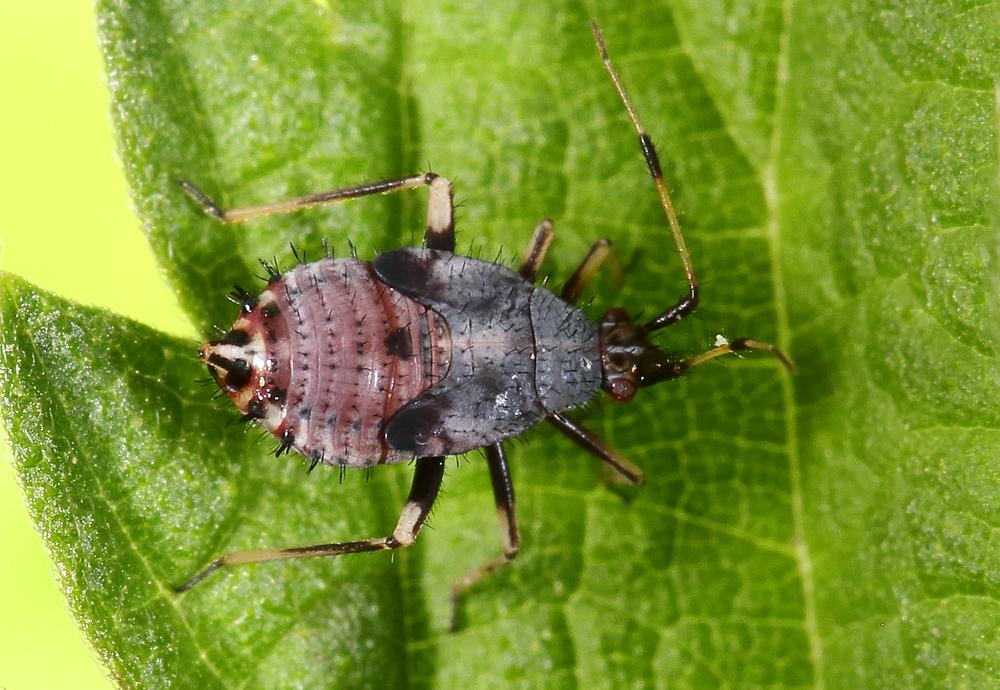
[
  {"x": 440, "y": 233},
  {"x": 689, "y": 303},
  {"x": 589, "y": 441},
  {"x": 510, "y": 538},
  {"x": 541, "y": 239},
  {"x": 599, "y": 251},
  {"x": 426, "y": 482},
  {"x": 440, "y": 212}
]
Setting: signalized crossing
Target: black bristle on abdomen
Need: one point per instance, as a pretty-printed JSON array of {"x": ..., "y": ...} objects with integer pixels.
[{"x": 240, "y": 296}]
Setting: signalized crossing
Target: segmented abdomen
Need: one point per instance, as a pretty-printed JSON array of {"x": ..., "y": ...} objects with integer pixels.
[{"x": 342, "y": 353}]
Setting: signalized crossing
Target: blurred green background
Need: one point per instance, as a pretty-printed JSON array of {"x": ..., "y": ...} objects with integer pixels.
[{"x": 66, "y": 226}]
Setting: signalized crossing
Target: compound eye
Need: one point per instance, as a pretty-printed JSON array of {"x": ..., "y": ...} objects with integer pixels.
[{"x": 622, "y": 389}]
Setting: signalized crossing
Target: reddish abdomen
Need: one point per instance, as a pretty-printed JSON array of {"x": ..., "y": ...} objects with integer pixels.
[{"x": 341, "y": 354}]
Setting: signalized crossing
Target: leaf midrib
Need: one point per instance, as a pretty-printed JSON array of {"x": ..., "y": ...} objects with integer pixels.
[
  {"x": 772, "y": 198},
  {"x": 769, "y": 180}
]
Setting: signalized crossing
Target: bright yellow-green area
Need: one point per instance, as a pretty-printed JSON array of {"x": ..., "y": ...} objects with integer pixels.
[{"x": 67, "y": 226}]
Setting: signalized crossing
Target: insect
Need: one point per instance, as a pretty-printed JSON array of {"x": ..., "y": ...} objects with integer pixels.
[{"x": 423, "y": 353}]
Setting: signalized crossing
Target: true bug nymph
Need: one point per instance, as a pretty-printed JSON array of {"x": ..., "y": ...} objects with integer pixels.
[{"x": 423, "y": 353}]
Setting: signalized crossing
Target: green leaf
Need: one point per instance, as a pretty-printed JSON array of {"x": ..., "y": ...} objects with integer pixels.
[{"x": 836, "y": 168}]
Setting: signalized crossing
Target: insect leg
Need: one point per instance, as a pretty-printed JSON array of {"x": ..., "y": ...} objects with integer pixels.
[
  {"x": 503, "y": 495},
  {"x": 599, "y": 251},
  {"x": 689, "y": 303},
  {"x": 539, "y": 247},
  {"x": 440, "y": 232},
  {"x": 426, "y": 482},
  {"x": 239, "y": 215},
  {"x": 589, "y": 441}
]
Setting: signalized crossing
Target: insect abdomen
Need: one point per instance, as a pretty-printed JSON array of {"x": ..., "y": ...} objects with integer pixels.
[{"x": 334, "y": 354}]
